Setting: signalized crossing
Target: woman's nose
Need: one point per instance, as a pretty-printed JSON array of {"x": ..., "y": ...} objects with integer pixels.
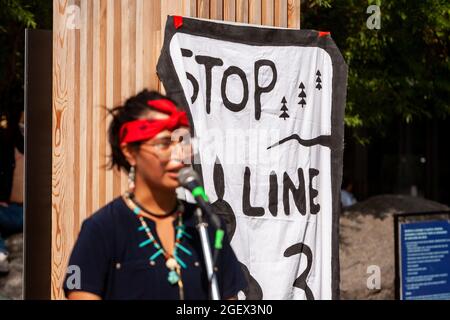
[{"x": 181, "y": 153}]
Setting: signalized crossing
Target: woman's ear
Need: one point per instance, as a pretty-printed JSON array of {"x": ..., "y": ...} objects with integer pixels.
[{"x": 129, "y": 154}]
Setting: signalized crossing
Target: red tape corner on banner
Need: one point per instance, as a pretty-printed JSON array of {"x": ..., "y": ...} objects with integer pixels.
[
  {"x": 324, "y": 33},
  {"x": 177, "y": 21}
]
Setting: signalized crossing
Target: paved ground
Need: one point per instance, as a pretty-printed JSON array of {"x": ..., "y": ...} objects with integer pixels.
[{"x": 367, "y": 240}]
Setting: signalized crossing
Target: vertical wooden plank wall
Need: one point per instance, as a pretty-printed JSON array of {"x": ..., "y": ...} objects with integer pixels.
[{"x": 111, "y": 54}]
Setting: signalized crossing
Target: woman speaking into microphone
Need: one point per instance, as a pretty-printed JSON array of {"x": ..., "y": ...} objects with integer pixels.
[{"x": 144, "y": 244}]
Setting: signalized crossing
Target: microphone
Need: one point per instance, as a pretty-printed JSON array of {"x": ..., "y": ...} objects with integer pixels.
[{"x": 189, "y": 179}]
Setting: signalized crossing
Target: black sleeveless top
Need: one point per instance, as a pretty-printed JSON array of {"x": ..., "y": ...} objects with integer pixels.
[{"x": 113, "y": 266}]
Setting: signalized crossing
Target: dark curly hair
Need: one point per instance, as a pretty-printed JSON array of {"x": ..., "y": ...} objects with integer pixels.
[{"x": 134, "y": 108}]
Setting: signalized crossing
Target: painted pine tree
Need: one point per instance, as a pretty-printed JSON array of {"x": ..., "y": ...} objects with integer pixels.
[
  {"x": 318, "y": 80},
  {"x": 284, "y": 108},
  {"x": 302, "y": 95}
]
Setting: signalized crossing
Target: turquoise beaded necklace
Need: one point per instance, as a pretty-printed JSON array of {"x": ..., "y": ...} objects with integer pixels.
[{"x": 173, "y": 262}]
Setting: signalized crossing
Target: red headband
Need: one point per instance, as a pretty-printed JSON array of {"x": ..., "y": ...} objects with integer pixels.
[{"x": 144, "y": 129}]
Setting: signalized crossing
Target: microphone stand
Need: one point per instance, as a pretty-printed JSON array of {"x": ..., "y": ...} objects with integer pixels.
[{"x": 207, "y": 254}]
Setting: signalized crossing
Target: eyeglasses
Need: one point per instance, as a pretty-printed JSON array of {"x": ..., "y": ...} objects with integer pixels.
[
  {"x": 168, "y": 149},
  {"x": 163, "y": 144}
]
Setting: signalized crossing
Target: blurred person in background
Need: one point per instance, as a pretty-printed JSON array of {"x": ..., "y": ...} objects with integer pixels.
[
  {"x": 347, "y": 197},
  {"x": 11, "y": 180}
]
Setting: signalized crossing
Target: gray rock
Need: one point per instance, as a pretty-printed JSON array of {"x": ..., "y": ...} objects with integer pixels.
[
  {"x": 367, "y": 238},
  {"x": 11, "y": 284}
]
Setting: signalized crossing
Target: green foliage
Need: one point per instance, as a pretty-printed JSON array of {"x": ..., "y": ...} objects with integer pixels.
[
  {"x": 401, "y": 70},
  {"x": 15, "y": 16},
  {"x": 25, "y": 13},
  {"x": 320, "y": 3},
  {"x": 16, "y": 10}
]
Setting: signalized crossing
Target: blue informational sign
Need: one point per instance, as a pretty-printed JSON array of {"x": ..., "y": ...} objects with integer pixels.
[{"x": 425, "y": 260}]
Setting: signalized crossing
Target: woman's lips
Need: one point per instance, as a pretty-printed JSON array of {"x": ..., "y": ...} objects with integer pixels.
[{"x": 173, "y": 175}]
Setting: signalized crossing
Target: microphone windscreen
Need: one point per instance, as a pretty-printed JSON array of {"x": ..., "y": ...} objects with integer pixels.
[{"x": 187, "y": 175}]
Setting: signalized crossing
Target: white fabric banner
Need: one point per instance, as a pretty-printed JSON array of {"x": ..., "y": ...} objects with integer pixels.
[{"x": 262, "y": 108}]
